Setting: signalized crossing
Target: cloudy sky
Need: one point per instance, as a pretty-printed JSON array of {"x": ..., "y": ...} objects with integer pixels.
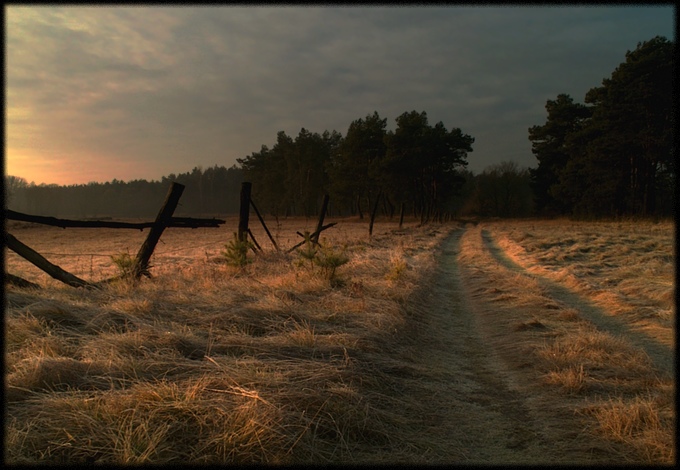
[{"x": 97, "y": 93}]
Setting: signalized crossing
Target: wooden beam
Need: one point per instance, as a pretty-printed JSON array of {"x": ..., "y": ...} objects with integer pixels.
[
  {"x": 20, "y": 281},
  {"x": 190, "y": 222},
  {"x": 312, "y": 235},
  {"x": 252, "y": 237},
  {"x": 322, "y": 214},
  {"x": 264, "y": 225},
  {"x": 141, "y": 265},
  {"x": 179, "y": 222},
  {"x": 401, "y": 215},
  {"x": 38, "y": 260},
  {"x": 373, "y": 213},
  {"x": 244, "y": 211}
]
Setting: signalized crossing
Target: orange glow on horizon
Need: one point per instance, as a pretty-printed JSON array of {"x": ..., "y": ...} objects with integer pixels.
[{"x": 63, "y": 172}]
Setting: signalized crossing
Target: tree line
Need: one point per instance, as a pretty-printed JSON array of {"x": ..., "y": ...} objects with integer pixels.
[
  {"x": 417, "y": 165},
  {"x": 208, "y": 192},
  {"x": 612, "y": 156}
]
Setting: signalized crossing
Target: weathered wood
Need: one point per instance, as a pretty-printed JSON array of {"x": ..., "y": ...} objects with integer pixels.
[
  {"x": 244, "y": 211},
  {"x": 191, "y": 222},
  {"x": 179, "y": 222},
  {"x": 264, "y": 225},
  {"x": 252, "y": 237},
  {"x": 312, "y": 235},
  {"x": 373, "y": 213},
  {"x": 20, "y": 281},
  {"x": 162, "y": 220},
  {"x": 38, "y": 260},
  {"x": 401, "y": 215},
  {"x": 322, "y": 215}
]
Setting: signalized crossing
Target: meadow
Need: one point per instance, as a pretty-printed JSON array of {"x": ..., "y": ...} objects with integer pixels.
[{"x": 492, "y": 342}]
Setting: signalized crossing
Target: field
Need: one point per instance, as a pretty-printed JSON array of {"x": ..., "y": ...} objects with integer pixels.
[{"x": 499, "y": 342}]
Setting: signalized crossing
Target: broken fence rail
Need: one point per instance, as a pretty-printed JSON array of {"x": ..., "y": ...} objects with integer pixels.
[{"x": 181, "y": 222}]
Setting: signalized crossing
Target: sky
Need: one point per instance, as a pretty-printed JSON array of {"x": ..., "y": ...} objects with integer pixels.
[{"x": 97, "y": 93}]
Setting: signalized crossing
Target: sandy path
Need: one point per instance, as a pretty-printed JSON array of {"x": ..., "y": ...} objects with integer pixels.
[
  {"x": 485, "y": 420},
  {"x": 477, "y": 409}
]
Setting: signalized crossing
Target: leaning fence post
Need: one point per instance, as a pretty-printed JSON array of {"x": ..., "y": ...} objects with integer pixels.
[
  {"x": 373, "y": 213},
  {"x": 244, "y": 212},
  {"x": 162, "y": 220},
  {"x": 264, "y": 225},
  {"x": 38, "y": 260},
  {"x": 401, "y": 215},
  {"x": 322, "y": 215}
]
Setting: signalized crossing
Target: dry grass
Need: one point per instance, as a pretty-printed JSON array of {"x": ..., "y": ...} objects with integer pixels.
[
  {"x": 600, "y": 373},
  {"x": 641, "y": 422},
  {"x": 273, "y": 363},
  {"x": 625, "y": 268},
  {"x": 207, "y": 363}
]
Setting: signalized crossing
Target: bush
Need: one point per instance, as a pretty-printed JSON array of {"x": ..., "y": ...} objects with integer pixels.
[
  {"x": 125, "y": 263},
  {"x": 236, "y": 252},
  {"x": 324, "y": 256},
  {"x": 329, "y": 260}
]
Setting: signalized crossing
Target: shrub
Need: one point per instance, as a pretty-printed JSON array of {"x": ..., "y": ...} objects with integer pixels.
[
  {"x": 124, "y": 262},
  {"x": 308, "y": 252},
  {"x": 329, "y": 260},
  {"x": 236, "y": 252},
  {"x": 324, "y": 256}
]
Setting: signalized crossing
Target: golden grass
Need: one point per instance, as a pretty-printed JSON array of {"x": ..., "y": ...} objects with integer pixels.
[
  {"x": 599, "y": 371},
  {"x": 641, "y": 422},
  {"x": 206, "y": 363},
  {"x": 273, "y": 363},
  {"x": 624, "y": 267}
]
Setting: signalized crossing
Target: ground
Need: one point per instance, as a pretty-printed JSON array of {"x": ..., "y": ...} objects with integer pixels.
[{"x": 495, "y": 342}]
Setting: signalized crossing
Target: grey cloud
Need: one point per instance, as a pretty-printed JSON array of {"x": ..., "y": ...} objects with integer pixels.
[{"x": 164, "y": 83}]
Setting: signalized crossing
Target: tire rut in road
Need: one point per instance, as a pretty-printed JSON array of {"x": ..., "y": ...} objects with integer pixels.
[
  {"x": 472, "y": 404},
  {"x": 660, "y": 354}
]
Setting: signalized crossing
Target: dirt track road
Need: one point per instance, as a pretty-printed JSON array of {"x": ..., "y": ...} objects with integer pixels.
[{"x": 486, "y": 404}]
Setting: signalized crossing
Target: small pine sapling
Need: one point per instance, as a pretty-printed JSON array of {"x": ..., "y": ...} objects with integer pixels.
[{"x": 236, "y": 252}]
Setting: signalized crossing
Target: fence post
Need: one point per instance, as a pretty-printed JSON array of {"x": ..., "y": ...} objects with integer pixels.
[
  {"x": 162, "y": 220},
  {"x": 322, "y": 215},
  {"x": 401, "y": 215},
  {"x": 244, "y": 212},
  {"x": 373, "y": 213}
]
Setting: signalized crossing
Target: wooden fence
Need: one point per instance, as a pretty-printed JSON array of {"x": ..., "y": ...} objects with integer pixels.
[
  {"x": 163, "y": 220},
  {"x": 140, "y": 266}
]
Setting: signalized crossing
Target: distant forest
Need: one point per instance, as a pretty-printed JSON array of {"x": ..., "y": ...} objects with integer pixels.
[{"x": 609, "y": 157}]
